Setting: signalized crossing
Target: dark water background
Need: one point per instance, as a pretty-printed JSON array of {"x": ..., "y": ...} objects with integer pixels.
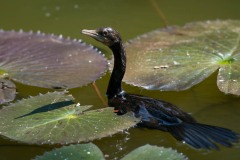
[{"x": 131, "y": 18}]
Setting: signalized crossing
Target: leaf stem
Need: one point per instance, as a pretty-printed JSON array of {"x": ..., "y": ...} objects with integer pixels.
[
  {"x": 159, "y": 12},
  {"x": 99, "y": 94}
]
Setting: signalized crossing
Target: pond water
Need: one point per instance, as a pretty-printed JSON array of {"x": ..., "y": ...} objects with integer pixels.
[{"x": 131, "y": 18}]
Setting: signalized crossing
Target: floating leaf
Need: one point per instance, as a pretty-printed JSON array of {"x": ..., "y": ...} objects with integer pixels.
[
  {"x": 7, "y": 91},
  {"x": 92, "y": 152},
  {"x": 53, "y": 118},
  {"x": 48, "y": 61},
  {"x": 177, "y": 58},
  {"x": 74, "y": 152},
  {"x": 153, "y": 152}
]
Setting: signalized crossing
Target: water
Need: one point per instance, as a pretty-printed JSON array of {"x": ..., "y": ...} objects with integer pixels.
[{"x": 204, "y": 101}]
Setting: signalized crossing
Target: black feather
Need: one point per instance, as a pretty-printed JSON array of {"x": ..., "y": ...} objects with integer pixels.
[{"x": 203, "y": 136}]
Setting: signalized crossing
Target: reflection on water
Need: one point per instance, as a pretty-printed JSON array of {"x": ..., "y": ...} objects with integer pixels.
[{"x": 205, "y": 102}]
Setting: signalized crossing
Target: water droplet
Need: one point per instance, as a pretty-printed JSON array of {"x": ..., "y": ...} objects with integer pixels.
[
  {"x": 126, "y": 139},
  {"x": 57, "y": 8},
  {"x": 88, "y": 152},
  {"x": 76, "y": 6},
  {"x": 47, "y": 14},
  {"x": 176, "y": 63}
]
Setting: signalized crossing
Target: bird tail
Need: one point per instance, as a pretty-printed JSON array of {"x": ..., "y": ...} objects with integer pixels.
[{"x": 203, "y": 136}]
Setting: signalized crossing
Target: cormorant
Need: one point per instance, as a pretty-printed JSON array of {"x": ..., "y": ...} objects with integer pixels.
[{"x": 156, "y": 113}]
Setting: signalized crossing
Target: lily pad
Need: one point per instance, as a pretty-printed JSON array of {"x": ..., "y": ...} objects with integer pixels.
[
  {"x": 153, "y": 152},
  {"x": 48, "y": 61},
  {"x": 7, "y": 91},
  {"x": 177, "y": 58},
  {"x": 92, "y": 152},
  {"x": 54, "y": 118},
  {"x": 74, "y": 152}
]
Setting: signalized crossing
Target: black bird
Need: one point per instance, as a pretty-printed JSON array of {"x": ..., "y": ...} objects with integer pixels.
[{"x": 155, "y": 113}]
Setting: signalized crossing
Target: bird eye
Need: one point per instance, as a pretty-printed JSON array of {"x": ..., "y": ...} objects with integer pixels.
[{"x": 104, "y": 33}]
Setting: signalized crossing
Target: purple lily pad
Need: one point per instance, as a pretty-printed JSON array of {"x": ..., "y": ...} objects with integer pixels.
[
  {"x": 48, "y": 61},
  {"x": 7, "y": 91}
]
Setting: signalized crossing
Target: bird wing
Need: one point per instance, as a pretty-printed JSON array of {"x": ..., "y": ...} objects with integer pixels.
[{"x": 161, "y": 109}]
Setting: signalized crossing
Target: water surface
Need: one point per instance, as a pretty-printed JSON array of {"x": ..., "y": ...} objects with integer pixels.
[{"x": 131, "y": 18}]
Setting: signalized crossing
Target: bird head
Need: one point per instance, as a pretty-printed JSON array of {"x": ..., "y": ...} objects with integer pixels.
[{"x": 106, "y": 35}]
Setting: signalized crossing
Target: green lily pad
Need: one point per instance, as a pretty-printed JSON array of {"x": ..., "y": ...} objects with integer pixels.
[
  {"x": 7, "y": 91},
  {"x": 74, "y": 152},
  {"x": 153, "y": 152},
  {"x": 177, "y": 58},
  {"x": 48, "y": 61},
  {"x": 54, "y": 118},
  {"x": 92, "y": 152}
]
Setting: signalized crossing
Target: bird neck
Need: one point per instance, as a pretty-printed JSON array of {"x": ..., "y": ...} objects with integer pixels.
[{"x": 114, "y": 86}]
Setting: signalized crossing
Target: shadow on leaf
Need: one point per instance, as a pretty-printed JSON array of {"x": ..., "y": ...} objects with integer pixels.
[{"x": 48, "y": 107}]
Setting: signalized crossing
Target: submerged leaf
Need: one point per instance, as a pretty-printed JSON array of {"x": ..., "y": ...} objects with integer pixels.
[
  {"x": 54, "y": 118},
  {"x": 177, "y": 58},
  {"x": 48, "y": 61},
  {"x": 153, "y": 152},
  {"x": 7, "y": 91},
  {"x": 74, "y": 152}
]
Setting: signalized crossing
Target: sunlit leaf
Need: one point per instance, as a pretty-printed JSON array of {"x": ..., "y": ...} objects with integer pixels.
[
  {"x": 177, "y": 58},
  {"x": 48, "y": 61},
  {"x": 147, "y": 152},
  {"x": 54, "y": 118},
  {"x": 229, "y": 77},
  {"x": 7, "y": 91},
  {"x": 74, "y": 152}
]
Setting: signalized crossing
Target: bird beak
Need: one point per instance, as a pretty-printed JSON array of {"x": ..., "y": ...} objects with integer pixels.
[{"x": 94, "y": 34}]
